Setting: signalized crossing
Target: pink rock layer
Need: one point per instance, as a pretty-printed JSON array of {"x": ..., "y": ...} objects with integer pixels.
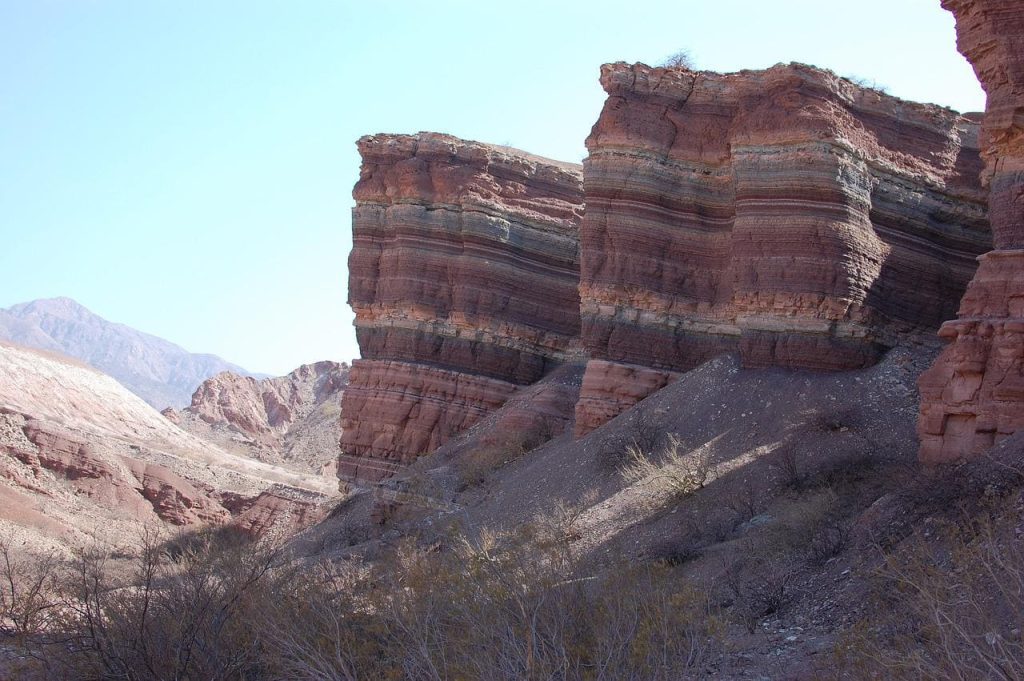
[
  {"x": 266, "y": 408},
  {"x": 463, "y": 277},
  {"x": 393, "y": 412},
  {"x": 787, "y": 215},
  {"x": 973, "y": 396}
]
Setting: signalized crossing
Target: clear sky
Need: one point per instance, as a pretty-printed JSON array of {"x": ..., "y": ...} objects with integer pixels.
[{"x": 185, "y": 167}]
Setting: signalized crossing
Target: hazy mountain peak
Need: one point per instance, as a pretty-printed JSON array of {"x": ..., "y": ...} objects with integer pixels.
[{"x": 160, "y": 372}]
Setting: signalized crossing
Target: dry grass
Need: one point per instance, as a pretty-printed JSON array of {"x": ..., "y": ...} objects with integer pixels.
[
  {"x": 479, "y": 605},
  {"x": 948, "y": 605},
  {"x": 676, "y": 472}
]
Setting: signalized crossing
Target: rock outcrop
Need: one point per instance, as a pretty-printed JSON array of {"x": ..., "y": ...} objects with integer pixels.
[
  {"x": 973, "y": 397},
  {"x": 787, "y": 215},
  {"x": 84, "y": 460},
  {"x": 463, "y": 278},
  {"x": 291, "y": 419}
]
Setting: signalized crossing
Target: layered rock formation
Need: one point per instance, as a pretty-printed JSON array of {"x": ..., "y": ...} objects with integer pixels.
[
  {"x": 787, "y": 215},
  {"x": 291, "y": 419},
  {"x": 84, "y": 460},
  {"x": 463, "y": 278},
  {"x": 974, "y": 395}
]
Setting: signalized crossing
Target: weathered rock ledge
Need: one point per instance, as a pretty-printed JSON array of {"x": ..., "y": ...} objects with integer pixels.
[
  {"x": 973, "y": 397},
  {"x": 787, "y": 215},
  {"x": 463, "y": 278}
]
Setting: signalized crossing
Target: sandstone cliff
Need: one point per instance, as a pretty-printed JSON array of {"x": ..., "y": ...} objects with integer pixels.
[
  {"x": 84, "y": 460},
  {"x": 787, "y": 215},
  {"x": 463, "y": 278},
  {"x": 291, "y": 419},
  {"x": 974, "y": 395}
]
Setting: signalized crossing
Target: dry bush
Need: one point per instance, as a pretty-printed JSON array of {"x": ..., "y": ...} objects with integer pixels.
[
  {"x": 949, "y": 606},
  {"x": 681, "y": 59},
  {"x": 785, "y": 461},
  {"x": 677, "y": 472},
  {"x": 758, "y": 584},
  {"x": 563, "y": 522},
  {"x": 29, "y": 592},
  {"x": 745, "y": 501},
  {"x": 497, "y": 450},
  {"x": 480, "y": 606}
]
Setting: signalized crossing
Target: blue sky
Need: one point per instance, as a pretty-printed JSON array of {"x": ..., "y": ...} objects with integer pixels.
[{"x": 185, "y": 167}]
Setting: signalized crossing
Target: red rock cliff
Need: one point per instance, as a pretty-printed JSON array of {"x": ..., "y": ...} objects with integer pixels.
[
  {"x": 463, "y": 277},
  {"x": 973, "y": 396},
  {"x": 786, "y": 214}
]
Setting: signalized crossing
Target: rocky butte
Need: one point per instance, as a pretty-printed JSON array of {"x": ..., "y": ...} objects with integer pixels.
[
  {"x": 463, "y": 277},
  {"x": 973, "y": 397},
  {"x": 787, "y": 215}
]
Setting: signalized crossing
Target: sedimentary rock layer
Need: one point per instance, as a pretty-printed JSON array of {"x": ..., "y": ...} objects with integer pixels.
[
  {"x": 973, "y": 396},
  {"x": 463, "y": 278},
  {"x": 787, "y": 215}
]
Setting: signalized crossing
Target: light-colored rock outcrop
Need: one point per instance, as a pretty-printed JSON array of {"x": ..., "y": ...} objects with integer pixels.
[
  {"x": 83, "y": 460},
  {"x": 973, "y": 397},
  {"x": 463, "y": 278},
  {"x": 787, "y": 215}
]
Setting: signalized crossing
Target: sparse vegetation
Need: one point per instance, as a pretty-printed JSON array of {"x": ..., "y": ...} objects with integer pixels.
[
  {"x": 677, "y": 471},
  {"x": 949, "y": 605},
  {"x": 681, "y": 59},
  {"x": 868, "y": 84},
  {"x": 477, "y": 606}
]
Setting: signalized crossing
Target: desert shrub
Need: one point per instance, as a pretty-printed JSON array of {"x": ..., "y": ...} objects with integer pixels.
[
  {"x": 682, "y": 59},
  {"x": 745, "y": 501},
  {"x": 947, "y": 606},
  {"x": 186, "y": 616},
  {"x": 29, "y": 591},
  {"x": 495, "y": 451},
  {"x": 207, "y": 539},
  {"x": 789, "y": 469},
  {"x": 475, "y": 465},
  {"x": 758, "y": 584},
  {"x": 478, "y": 605},
  {"x": 677, "y": 471},
  {"x": 868, "y": 84}
]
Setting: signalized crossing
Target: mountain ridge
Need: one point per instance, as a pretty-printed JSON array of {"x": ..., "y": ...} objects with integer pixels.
[{"x": 159, "y": 371}]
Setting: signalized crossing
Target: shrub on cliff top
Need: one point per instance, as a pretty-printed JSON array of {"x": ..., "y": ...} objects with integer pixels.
[{"x": 678, "y": 60}]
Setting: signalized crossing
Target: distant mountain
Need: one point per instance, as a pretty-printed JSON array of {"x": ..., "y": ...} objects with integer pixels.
[{"x": 158, "y": 371}]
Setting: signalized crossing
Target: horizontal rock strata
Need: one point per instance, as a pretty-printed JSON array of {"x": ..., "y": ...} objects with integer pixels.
[
  {"x": 463, "y": 278},
  {"x": 973, "y": 397},
  {"x": 787, "y": 215}
]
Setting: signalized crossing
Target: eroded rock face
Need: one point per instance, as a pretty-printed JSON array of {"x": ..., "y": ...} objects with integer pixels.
[
  {"x": 289, "y": 419},
  {"x": 463, "y": 278},
  {"x": 82, "y": 459},
  {"x": 973, "y": 397},
  {"x": 787, "y": 215}
]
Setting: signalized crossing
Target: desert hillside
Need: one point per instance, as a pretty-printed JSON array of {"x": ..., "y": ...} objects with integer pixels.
[
  {"x": 84, "y": 460},
  {"x": 160, "y": 372}
]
